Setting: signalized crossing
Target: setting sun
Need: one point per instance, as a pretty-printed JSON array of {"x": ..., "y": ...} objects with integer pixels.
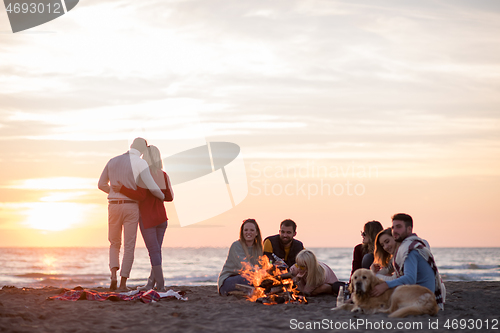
[{"x": 54, "y": 216}]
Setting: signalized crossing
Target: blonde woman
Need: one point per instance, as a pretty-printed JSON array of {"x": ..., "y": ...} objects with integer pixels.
[
  {"x": 313, "y": 277},
  {"x": 247, "y": 249}
]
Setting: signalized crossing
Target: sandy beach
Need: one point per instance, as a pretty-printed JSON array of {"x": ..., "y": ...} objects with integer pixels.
[{"x": 29, "y": 310}]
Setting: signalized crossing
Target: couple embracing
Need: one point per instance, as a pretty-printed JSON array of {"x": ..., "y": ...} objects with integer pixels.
[
  {"x": 136, "y": 190},
  {"x": 403, "y": 258}
]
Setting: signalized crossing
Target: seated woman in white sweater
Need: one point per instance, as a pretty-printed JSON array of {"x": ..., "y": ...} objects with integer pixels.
[{"x": 247, "y": 249}]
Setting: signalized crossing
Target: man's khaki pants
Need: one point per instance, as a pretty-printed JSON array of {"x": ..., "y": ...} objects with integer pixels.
[{"x": 122, "y": 217}]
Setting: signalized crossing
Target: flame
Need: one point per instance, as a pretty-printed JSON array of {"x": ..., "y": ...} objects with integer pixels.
[{"x": 270, "y": 275}]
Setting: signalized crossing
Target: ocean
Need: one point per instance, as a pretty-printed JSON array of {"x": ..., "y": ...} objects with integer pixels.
[{"x": 88, "y": 267}]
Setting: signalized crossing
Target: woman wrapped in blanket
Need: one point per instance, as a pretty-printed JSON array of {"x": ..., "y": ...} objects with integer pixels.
[{"x": 247, "y": 249}]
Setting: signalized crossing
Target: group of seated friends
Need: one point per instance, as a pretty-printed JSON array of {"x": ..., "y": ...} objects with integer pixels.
[{"x": 396, "y": 255}]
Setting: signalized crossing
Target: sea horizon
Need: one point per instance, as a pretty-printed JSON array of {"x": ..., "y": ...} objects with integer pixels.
[
  {"x": 221, "y": 247},
  {"x": 72, "y": 266}
]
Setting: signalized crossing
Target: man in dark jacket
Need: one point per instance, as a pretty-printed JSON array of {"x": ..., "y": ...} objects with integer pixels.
[{"x": 284, "y": 245}]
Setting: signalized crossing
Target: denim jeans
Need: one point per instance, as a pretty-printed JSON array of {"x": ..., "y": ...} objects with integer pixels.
[
  {"x": 153, "y": 238},
  {"x": 230, "y": 283},
  {"x": 367, "y": 260}
]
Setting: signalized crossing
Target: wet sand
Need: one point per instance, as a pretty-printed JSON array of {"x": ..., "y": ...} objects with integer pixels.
[{"x": 28, "y": 310}]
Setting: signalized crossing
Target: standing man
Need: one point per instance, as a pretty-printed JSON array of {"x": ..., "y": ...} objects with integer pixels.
[
  {"x": 123, "y": 213},
  {"x": 413, "y": 261},
  {"x": 284, "y": 245}
]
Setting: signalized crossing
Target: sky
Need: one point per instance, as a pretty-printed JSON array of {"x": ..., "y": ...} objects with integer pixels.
[{"x": 344, "y": 112}]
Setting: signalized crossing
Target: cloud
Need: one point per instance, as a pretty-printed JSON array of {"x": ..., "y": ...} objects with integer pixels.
[
  {"x": 54, "y": 183},
  {"x": 270, "y": 74}
]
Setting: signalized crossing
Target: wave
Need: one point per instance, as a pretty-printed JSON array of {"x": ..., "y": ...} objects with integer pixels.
[
  {"x": 470, "y": 277},
  {"x": 46, "y": 275},
  {"x": 191, "y": 280},
  {"x": 37, "y": 275},
  {"x": 469, "y": 266}
]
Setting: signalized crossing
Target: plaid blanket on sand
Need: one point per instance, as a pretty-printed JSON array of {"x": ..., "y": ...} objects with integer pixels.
[{"x": 92, "y": 295}]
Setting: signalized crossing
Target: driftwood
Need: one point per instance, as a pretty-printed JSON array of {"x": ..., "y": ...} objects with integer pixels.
[{"x": 248, "y": 290}]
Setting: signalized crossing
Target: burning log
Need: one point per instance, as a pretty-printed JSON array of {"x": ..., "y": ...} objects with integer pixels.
[
  {"x": 277, "y": 290},
  {"x": 267, "y": 284},
  {"x": 272, "y": 299},
  {"x": 271, "y": 284}
]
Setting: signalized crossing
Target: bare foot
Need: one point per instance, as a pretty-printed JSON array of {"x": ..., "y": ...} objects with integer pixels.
[
  {"x": 123, "y": 289},
  {"x": 114, "y": 285}
]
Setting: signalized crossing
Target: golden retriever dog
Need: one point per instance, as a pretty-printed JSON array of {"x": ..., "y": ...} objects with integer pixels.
[{"x": 399, "y": 302}]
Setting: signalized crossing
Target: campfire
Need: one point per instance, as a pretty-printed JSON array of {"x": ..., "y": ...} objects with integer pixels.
[{"x": 270, "y": 284}]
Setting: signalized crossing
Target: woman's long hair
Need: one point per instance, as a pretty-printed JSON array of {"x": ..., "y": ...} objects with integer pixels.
[
  {"x": 257, "y": 249},
  {"x": 152, "y": 155},
  {"x": 371, "y": 229},
  {"x": 315, "y": 272},
  {"x": 382, "y": 257}
]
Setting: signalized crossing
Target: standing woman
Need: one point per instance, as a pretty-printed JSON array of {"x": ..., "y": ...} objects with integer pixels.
[
  {"x": 363, "y": 253},
  {"x": 153, "y": 221},
  {"x": 247, "y": 249}
]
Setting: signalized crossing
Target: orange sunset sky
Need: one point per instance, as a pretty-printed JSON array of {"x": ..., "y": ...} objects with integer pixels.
[{"x": 345, "y": 112}]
